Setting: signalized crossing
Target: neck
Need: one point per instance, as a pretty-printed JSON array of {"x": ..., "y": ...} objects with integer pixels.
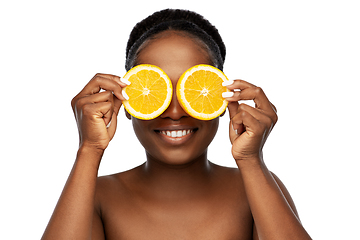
[{"x": 172, "y": 180}]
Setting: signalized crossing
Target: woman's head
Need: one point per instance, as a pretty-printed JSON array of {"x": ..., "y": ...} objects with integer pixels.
[
  {"x": 189, "y": 23},
  {"x": 174, "y": 51}
]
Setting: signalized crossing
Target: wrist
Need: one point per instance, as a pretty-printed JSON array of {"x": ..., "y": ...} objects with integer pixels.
[
  {"x": 89, "y": 154},
  {"x": 91, "y": 148},
  {"x": 251, "y": 163}
]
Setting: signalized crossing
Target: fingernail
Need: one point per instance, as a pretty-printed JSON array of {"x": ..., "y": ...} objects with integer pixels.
[
  {"x": 227, "y": 83},
  {"x": 108, "y": 124},
  {"x": 235, "y": 130},
  {"x": 125, "y": 81},
  {"x": 125, "y": 95},
  {"x": 227, "y": 94}
]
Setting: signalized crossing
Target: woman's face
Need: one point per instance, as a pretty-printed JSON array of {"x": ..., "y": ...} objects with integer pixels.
[{"x": 189, "y": 137}]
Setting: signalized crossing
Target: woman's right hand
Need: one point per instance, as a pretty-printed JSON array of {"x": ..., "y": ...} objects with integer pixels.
[{"x": 96, "y": 111}]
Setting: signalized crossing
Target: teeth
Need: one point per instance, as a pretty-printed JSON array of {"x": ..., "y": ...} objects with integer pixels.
[{"x": 175, "y": 134}]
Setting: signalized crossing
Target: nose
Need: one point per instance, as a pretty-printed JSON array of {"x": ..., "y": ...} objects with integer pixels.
[{"x": 174, "y": 111}]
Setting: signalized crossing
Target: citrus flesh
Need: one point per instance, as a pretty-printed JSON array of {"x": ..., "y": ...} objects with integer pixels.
[
  {"x": 150, "y": 91},
  {"x": 199, "y": 91}
]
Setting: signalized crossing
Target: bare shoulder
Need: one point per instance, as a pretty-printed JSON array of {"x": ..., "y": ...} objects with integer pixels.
[
  {"x": 116, "y": 186},
  {"x": 227, "y": 173},
  {"x": 285, "y": 193},
  {"x": 117, "y": 179},
  {"x": 230, "y": 182}
]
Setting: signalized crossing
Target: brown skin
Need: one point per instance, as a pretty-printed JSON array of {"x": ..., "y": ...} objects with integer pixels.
[{"x": 177, "y": 193}]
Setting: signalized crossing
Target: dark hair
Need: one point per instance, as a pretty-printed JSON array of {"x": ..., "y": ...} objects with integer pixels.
[{"x": 176, "y": 19}]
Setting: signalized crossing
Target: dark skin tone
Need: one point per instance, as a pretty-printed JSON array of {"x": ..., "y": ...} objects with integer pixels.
[{"x": 177, "y": 193}]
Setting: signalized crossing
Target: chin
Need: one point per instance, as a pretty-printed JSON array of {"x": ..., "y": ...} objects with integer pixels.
[{"x": 177, "y": 157}]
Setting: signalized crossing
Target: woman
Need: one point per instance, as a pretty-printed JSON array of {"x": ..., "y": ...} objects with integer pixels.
[{"x": 177, "y": 193}]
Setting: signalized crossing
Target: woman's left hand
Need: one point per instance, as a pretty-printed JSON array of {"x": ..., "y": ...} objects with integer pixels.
[{"x": 249, "y": 126}]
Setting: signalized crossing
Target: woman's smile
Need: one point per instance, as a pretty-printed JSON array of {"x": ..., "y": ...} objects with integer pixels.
[{"x": 176, "y": 134}]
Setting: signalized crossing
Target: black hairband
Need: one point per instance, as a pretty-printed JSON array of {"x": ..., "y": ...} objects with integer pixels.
[{"x": 181, "y": 25}]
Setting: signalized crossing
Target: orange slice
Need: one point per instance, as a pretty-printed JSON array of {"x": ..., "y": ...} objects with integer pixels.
[
  {"x": 199, "y": 91},
  {"x": 149, "y": 93}
]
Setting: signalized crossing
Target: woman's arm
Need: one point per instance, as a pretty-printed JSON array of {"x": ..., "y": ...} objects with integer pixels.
[
  {"x": 72, "y": 217},
  {"x": 96, "y": 114},
  {"x": 273, "y": 211}
]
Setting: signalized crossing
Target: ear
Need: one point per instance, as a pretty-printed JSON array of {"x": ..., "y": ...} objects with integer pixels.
[{"x": 127, "y": 114}]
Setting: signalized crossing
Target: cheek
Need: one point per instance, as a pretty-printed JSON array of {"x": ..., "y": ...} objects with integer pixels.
[
  {"x": 209, "y": 130},
  {"x": 145, "y": 135},
  {"x": 141, "y": 131}
]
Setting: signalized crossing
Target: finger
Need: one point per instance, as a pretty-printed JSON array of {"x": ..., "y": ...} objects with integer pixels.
[
  {"x": 111, "y": 77},
  {"x": 237, "y": 123},
  {"x": 256, "y": 94},
  {"x": 112, "y": 126},
  {"x": 243, "y": 123},
  {"x": 250, "y": 120},
  {"x": 273, "y": 107},
  {"x": 260, "y": 116},
  {"x": 239, "y": 84},
  {"x": 236, "y": 131},
  {"x": 264, "y": 123},
  {"x": 106, "y": 82},
  {"x": 117, "y": 105},
  {"x": 251, "y": 92},
  {"x": 88, "y": 106},
  {"x": 106, "y": 96},
  {"x": 113, "y": 122},
  {"x": 100, "y": 110},
  {"x": 104, "y": 110},
  {"x": 91, "y": 93},
  {"x": 232, "y": 107}
]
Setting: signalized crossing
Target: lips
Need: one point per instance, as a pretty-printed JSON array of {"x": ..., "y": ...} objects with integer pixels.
[{"x": 176, "y": 133}]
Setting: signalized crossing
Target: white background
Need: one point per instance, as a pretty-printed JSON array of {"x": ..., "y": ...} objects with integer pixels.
[{"x": 304, "y": 54}]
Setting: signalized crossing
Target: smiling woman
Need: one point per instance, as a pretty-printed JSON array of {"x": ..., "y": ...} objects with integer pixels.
[{"x": 177, "y": 193}]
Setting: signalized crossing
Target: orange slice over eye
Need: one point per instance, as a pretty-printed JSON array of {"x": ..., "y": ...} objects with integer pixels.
[
  {"x": 150, "y": 91},
  {"x": 199, "y": 91}
]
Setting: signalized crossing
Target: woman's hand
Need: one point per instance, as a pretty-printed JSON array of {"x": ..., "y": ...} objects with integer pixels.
[
  {"x": 249, "y": 126},
  {"x": 96, "y": 111}
]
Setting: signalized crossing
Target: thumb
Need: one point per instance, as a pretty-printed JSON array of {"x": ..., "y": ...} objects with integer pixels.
[
  {"x": 232, "y": 107},
  {"x": 117, "y": 105},
  {"x": 113, "y": 122},
  {"x": 235, "y": 128}
]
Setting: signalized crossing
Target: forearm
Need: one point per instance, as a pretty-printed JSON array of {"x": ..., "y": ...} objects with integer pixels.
[
  {"x": 72, "y": 217},
  {"x": 273, "y": 216}
]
